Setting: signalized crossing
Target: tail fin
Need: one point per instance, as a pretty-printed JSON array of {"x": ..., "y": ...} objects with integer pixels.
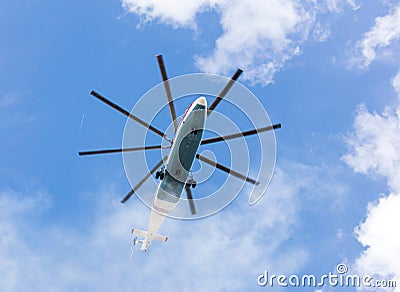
[
  {"x": 143, "y": 233},
  {"x": 147, "y": 239}
]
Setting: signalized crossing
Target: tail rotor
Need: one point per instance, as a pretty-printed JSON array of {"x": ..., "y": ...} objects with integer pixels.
[{"x": 135, "y": 241}]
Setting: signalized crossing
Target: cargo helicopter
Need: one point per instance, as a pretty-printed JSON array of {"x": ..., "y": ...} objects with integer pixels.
[{"x": 174, "y": 170}]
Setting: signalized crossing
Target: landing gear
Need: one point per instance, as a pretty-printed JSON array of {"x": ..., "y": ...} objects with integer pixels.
[
  {"x": 160, "y": 174},
  {"x": 194, "y": 131},
  {"x": 190, "y": 181}
]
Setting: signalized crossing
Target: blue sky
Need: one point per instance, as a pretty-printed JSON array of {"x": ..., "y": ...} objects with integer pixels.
[{"x": 327, "y": 70}]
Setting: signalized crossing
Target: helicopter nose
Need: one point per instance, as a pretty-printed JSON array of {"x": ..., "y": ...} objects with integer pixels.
[{"x": 202, "y": 101}]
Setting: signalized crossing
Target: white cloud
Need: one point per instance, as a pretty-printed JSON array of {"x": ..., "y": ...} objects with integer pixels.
[
  {"x": 16, "y": 257},
  {"x": 257, "y": 36},
  {"x": 385, "y": 31},
  {"x": 221, "y": 252},
  {"x": 374, "y": 150},
  {"x": 396, "y": 83},
  {"x": 354, "y": 4},
  {"x": 338, "y": 5},
  {"x": 375, "y": 145},
  {"x": 320, "y": 33},
  {"x": 179, "y": 13},
  {"x": 379, "y": 234}
]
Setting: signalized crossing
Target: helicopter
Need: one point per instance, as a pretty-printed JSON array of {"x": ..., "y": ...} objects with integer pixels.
[{"x": 174, "y": 170}]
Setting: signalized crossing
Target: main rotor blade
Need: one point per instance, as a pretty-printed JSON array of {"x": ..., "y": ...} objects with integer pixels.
[
  {"x": 190, "y": 199},
  {"x": 129, "y": 115},
  {"x": 224, "y": 91},
  {"x": 108, "y": 151},
  {"x": 227, "y": 169},
  {"x": 139, "y": 184},
  {"x": 168, "y": 91},
  {"x": 241, "y": 134}
]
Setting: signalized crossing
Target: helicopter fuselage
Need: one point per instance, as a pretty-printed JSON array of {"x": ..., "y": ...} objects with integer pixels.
[{"x": 178, "y": 165}]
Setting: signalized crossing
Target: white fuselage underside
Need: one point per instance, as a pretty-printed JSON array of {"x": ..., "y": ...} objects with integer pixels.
[{"x": 180, "y": 160}]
